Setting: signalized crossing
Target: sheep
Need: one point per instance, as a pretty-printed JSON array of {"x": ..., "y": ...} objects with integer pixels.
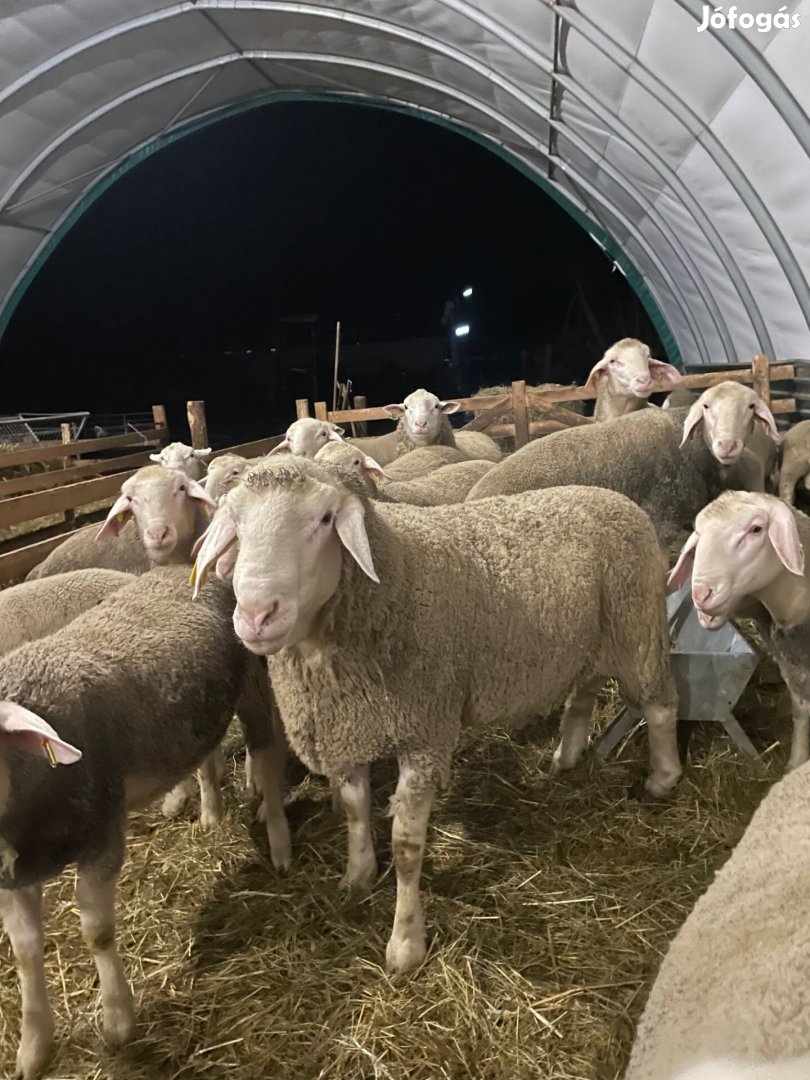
[
  {"x": 185, "y": 458},
  {"x": 624, "y": 378},
  {"x": 639, "y": 456},
  {"x": 154, "y": 521},
  {"x": 349, "y": 458},
  {"x": 731, "y": 998},
  {"x": 371, "y": 653},
  {"x": 35, "y": 609},
  {"x": 305, "y": 437},
  {"x": 423, "y": 422},
  {"x": 677, "y": 399},
  {"x": 795, "y": 461},
  {"x": 223, "y": 472},
  {"x": 450, "y": 484},
  {"x": 750, "y": 545},
  {"x": 422, "y": 462},
  {"x": 144, "y": 685}
]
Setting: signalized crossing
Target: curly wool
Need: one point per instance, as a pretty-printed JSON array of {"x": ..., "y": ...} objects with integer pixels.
[
  {"x": 734, "y": 981},
  {"x": 448, "y": 484},
  {"x": 82, "y": 550},
  {"x": 637, "y": 455},
  {"x": 487, "y": 612},
  {"x": 422, "y": 462}
]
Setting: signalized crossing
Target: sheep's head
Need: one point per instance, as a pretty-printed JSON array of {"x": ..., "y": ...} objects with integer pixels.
[
  {"x": 279, "y": 536},
  {"x": 742, "y": 543},
  {"x": 422, "y": 413},
  {"x": 164, "y": 504},
  {"x": 179, "y": 456},
  {"x": 306, "y": 436},
  {"x": 630, "y": 370},
  {"x": 726, "y": 415},
  {"x": 346, "y": 456},
  {"x": 223, "y": 474}
]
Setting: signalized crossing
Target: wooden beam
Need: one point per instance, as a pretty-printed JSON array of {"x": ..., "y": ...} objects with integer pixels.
[
  {"x": 14, "y": 565},
  {"x": 197, "y": 424},
  {"x": 257, "y": 448},
  {"x": 161, "y": 423},
  {"x": 490, "y": 415},
  {"x": 51, "y": 451},
  {"x": 70, "y": 516},
  {"x": 41, "y": 504},
  {"x": 762, "y": 381},
  {"x": 321, "y": 411},
  {"x": 521, "y": 415},
  {"x": 545, "y": 405},
  {"x": 536, "y": 427},
  {"x": 301, "y": 408},
  {"x": 783, "y": 405},
  {"x": 54, "y": 478},
  {"x": 359, "y": 429}
]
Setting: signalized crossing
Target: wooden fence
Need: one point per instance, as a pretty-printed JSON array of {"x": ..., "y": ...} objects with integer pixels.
[{"x": 520, "y": 399}]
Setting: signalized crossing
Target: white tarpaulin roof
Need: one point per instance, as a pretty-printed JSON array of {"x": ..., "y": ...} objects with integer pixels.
[{"x": 684, "y": 153}]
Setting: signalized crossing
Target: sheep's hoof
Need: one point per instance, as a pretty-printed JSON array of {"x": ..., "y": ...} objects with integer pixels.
[
  {"x": 174, "y": 803},
  {"x": 280, "y": 852},
  {"x": 659, "y": 786},
  {"x": 210, "y": 816},
  {"x": 119, "y": 1023},
  {"x": 405, "y": 954},
  {"x": 362, "y": 876},
  {"x": 36, "y": 1048}
]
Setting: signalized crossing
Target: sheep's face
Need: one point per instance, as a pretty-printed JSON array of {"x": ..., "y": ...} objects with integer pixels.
[
  {"x": 163, "y": 503},
  {"x": 346, "y": 456},
  {"x": 179, "y": 456},
  {"x": 422, "y": 414},
  {"x": 742, "y": 543},
  {"x": 223, "y": 474},
  {"x": 726, "y": 415},
  {"x": 286, "y": 526},
  {"x": 630, "y": 370},
  {"x": 307, "y": 436}
]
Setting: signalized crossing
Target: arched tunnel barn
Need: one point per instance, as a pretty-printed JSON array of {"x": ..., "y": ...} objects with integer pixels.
[{"x": 682, "y": 150}]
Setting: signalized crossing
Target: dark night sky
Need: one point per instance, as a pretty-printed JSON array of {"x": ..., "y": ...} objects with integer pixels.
[{"x": 359, "y": 214}]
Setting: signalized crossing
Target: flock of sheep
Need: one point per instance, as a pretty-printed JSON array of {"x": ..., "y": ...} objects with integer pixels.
[{"x": 397, "y": 589}]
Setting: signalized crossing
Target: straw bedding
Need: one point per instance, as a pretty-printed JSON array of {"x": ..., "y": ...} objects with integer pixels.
[{"x": 549, "y": 903}]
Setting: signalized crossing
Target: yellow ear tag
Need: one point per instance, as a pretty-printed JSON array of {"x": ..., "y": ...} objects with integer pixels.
[
  {"x": 193, "y": 576},
  {"x": 51, "y": 755},
  {"x": 120, "y": 517}
]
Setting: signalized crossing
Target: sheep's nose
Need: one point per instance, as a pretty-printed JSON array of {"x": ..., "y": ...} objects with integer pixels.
[
  {"x": 256, "y": 619},
  {"x": 158, "y": 533},
  {"x": 643, "y": 382},
  {"x": 701, "y": 592},
  {"x": 728, "y": 447},
  {"x": 420, "y": 425}
]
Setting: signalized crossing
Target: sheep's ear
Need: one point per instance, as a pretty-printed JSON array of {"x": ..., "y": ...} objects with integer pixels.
[
  {"x": 335, "y": 434},
  {"x": 351, "y": 528},
  {"x": 195, "y": 490},
  {"x": 662, "y": 372},
  {"x": 784, "y": 536},
  {"x": 693, "y": 418},
  {"x": 338, "y": 429},
  {"x": 598, "y": 371},
  {"x": 765, "y": 417},
  {"x": 373, "y": 469},
  {"x": 213, "y": 544},
  {"x": 397, "y": 409},
  {"x": 202, "y": 453},
  {"x": 449, "y": 406},
  {"x": 20, "y": 729},
  {"x": 683, "y": 567},
  {"x": 156, "y": 458},
  {"x": 119, "y": 515},
  {"x": 285, "y": 445}
]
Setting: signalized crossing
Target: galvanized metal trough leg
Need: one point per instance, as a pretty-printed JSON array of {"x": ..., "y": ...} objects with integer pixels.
[{"x": 738, "y": 736}]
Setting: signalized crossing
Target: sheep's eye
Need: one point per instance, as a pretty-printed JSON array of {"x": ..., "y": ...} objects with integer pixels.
[
  {"x": 436, "y": 406},
  {"x": 752, "y": 405},
  {"x": 405, "y": 407},
  {"x": 756, "y": 529},
  {"x": 182, "y": 487},
  {"x": 327, "y": 519},
  {"x": 705, "y": 406}
]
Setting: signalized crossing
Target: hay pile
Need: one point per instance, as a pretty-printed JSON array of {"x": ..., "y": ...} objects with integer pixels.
[
  {"x": 533, "y": 414},
  {"x": 549, "y": 904}
]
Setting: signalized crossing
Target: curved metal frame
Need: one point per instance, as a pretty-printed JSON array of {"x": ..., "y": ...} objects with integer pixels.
[{"x": 439, "y": 47}]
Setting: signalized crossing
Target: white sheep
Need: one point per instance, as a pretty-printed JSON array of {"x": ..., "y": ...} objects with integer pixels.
[
  {"x": 389, "y": 628},
  {"x": 305, "y": 437},
  {"x": 185, "y": 458},
  {"x": 422, "y": 462},
  {"x": 671, "y": 463},
  {"x": 144, "y": 685},
  {"x": 749, "y": 545},
  {"x": 449, "y": 484},
  {"x": 795, "y": 465},
  {"x": 625, "y": 377},
  {"x": 34, "y": 609},
  {"x": 223, "y": 473},
  {"x": 732, "y": 997}
]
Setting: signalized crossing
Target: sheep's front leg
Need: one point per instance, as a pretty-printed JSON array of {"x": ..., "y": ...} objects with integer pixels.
[
  {"x": 410, "y": 809},
  {"x": 22, "y": 918},
  {"x": 354, "y": 792},
  {"x": 574, "y": 727},
  {"x": 174, "y": 802},
  {"x": 267, "y": 747},
  {"x": 662, "y": 734},
  {"x": 209, "y": 776},
  {"x": 95, "y": 896},
  {"x": 800, "y": 746}
]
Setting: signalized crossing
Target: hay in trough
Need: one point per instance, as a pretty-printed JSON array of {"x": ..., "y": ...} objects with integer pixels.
[
  {"x": 533, "y": 414},
  {"x": 549, "y": 904}
]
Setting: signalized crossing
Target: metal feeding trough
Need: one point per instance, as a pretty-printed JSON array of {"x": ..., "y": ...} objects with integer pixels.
[{"x": 711, "y": 670}]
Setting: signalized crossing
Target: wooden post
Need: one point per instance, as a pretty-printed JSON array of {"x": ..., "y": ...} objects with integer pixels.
[
  {"x": 67, "y": 437},
  {"x": 360, "y": 428},
  {"x": 301, "y": 408},
  {"x": 521, "y": 415},
  {"x": 160, "y": 421},
  {"x": 195, "y": 411},
  {"x": 337, "y": 361},
  {"x": 762, "y": 377},
  {"x": 321, "y": 411}
]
